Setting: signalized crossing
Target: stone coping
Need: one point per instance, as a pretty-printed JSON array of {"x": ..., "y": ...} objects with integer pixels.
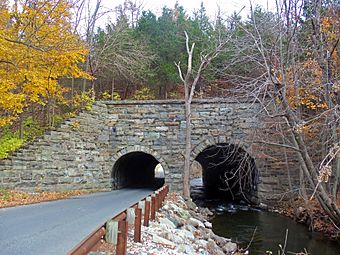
[{"x": 176, "y": 101}]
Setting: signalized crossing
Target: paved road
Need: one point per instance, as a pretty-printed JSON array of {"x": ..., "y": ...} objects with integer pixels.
[{"x": 56, "y": 227}]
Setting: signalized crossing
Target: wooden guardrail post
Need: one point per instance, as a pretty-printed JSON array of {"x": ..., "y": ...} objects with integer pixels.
[
  {"x": 117, "y": 229},
  {"x": 122, "y": 237},
  {"x": 157, "y": 201},
  {"x": 162, "y": 196},
  {"x": 138, "y": 225},
  {"x": 147, "y": 211},
  {"x": 153, "y": 207},
  {"x": 160, "y": 200}
]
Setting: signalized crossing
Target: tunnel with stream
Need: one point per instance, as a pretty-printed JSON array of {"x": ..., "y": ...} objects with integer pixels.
[
  {"x": 228, "y": 173},
  {"x": 137, "y": 170}
]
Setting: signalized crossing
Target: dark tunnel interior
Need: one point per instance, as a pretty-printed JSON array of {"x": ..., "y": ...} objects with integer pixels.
[
  {"x": 228, "y": 172},
  {"x": 137, "y": 170}
]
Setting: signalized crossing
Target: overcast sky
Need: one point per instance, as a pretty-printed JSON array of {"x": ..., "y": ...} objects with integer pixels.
[{"x": 227, "y": 6}]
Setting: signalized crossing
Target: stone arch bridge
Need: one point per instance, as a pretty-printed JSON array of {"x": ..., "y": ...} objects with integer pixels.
[{"x": 119, "y": 143}]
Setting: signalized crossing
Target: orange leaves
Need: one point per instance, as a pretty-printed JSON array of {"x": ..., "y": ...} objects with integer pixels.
[
  {"x": 37, "y": 47},
  {"x": 12, "y": 198},
  {"x": 305, "y": 86}
]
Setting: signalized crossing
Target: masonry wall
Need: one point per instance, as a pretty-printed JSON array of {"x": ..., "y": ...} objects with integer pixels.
[
  {"x": 74, "y": 156},
  {"x": 82, "y": 152}
]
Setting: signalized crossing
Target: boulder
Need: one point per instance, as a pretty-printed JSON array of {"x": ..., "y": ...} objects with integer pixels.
[
  {"x": 168, "y": 223},
  {"x": 190, "y": 228},
  {"x": 202, "y": 243},
  {"x": 229, "y": 248},
  {"x": 173, "y": 237},
  {"x": 186, "y": 234},
  {"x": 213, "y": 248},
  {"x": 205, "y": 211},
  {"x": 195, "y": 223},
  {"x": 191, "y": 205},
  {"x": 161, "y": 240},
  {"x": 177, "y": 221},
  {"x": 207, "y": 224}
]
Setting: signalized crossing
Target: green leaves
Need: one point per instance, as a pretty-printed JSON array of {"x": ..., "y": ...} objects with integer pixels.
[
  {"x": 10, "y": 141},
  {"x": 9, "y": 144}
]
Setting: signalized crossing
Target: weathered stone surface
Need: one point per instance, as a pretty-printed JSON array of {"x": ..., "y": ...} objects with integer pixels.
[
  {"x": 167, "y": 222},
  {"x": 83, "y": 155},
  {"x": 207, "y": 224},
  {"x": 161, "y": 240},
  {"x": 213, "y": 248},
  {"x": 195, "y": 223}
]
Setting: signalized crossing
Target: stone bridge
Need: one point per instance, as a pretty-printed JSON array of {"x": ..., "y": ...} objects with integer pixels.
[{"x": 119, "y": 143}]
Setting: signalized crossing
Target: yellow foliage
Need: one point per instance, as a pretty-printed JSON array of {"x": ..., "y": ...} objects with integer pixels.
[
  {"x": 107, "y": 96},
  {"x": 37, "y": 46},
  {"x": 308, "y": 91},
  {"x": 143, "y": 94},
  {"x": 75, "y": 125}
]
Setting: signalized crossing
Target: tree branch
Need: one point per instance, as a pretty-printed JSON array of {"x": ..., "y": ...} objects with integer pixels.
[{"x": 278, "y": 144}]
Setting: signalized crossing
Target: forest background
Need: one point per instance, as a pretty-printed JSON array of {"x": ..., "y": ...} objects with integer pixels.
[{"x": 51, "y": 68}]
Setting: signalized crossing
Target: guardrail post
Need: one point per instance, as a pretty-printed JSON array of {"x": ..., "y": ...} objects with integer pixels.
[
  {"x": 122, "y": 237},
  {"x": 147, "y": 211},
  {"x": 160, "y": 199},
  {"x": 162, "y": 196},
  {"x": 157, "y": 201},
  {"x": 138, "y": 225},
  {"x": 153, "y": 207}
]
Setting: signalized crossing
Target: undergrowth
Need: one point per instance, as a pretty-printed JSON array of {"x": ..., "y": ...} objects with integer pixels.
[{"x": 11, "y": 141}]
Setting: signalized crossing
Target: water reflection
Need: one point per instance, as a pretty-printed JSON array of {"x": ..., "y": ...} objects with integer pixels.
[{"x": 270, "y": 233}]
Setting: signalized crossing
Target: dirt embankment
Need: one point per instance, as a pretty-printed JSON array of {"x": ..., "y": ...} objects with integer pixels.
[{"x": 312, "y": 215}]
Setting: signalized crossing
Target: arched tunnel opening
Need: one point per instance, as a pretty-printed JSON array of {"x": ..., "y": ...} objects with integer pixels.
[
  {"x": 228, "y": 173},
  {"x": 137, "y": 170}
]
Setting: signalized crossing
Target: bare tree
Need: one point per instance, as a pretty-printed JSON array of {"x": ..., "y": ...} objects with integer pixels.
[
  {"x": 119, "y": 55},
  {"x": 190, "y": 79},
  {"x": 287, "y": 62},
  {"x": 131, "y": 10}
]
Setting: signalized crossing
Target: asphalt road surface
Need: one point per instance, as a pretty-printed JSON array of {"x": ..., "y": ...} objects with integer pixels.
[{"x": 56, "y": 227}]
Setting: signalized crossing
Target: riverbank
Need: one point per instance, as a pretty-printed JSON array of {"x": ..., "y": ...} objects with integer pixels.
[
  {"x": 311, "y": 215},
  {"x": 180, "y": 228}
]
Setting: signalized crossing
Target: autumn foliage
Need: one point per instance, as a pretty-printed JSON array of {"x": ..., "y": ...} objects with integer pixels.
[
  {"x": 37, "y": 47},
  {"x": 10, "y": 198}
]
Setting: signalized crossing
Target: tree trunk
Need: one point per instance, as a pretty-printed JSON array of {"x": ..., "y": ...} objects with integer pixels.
[
  {"x": 21, "y": 132},
  {"x": 326, "y": 203},
  {"x": 72, "y": 88},
  {"x": 112, "y": 87}
]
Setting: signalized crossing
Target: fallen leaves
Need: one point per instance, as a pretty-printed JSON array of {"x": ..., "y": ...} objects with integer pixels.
[
  {"x": 311, "y": 215},
  {"x": 10, "y": 198}
]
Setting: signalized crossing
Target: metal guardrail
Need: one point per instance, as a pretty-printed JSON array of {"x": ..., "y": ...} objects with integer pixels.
[{"x": 151, "y": 205}]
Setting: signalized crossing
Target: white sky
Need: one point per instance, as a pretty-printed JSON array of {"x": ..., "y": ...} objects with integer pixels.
[{"x": 227, "y": 6}]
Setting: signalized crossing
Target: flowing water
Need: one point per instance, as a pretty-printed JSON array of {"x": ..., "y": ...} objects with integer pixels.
[{"x": 238, "y": 222}]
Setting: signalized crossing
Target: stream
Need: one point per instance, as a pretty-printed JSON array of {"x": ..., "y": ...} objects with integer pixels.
[{"x": 238, "y": 222}]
